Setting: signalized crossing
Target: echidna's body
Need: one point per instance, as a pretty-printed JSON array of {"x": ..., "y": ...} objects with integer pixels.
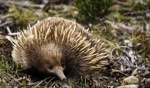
[{"x": 55, "y": 44}]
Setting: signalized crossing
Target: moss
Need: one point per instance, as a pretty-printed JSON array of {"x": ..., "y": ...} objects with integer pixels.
[{"x": 25, "y": 16}]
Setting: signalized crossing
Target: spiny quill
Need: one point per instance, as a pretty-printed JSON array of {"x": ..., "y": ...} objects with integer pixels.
[{"x": 57, "y": 44}]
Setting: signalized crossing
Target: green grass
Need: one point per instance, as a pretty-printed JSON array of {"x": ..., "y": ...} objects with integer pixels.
[{"x": 26, "y": 16}]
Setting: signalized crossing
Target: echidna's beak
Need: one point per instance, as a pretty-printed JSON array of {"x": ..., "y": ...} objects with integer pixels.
[{"x": 60, "y": 74}]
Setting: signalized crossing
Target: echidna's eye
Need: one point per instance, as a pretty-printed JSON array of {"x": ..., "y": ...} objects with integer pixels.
[
  {"x": 50, "y": 67},
  {"x": 62, "y": 64}
]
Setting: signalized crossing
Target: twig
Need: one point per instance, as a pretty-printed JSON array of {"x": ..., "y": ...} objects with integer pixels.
[
  {"x": 119, "y": 26},
  {"x": 13, "y": 78},
  {"x": 122, "y": 3},
  {"x": 10, "y": 33},
  {"x": 7, "y": 3},
  {"x": 6, "y": 23},
  {"x": 5, "y": 16},
  {"x": 119, "y": 48},
  {"x": 6, "y": 19},
  {"x": 119, "y": 71},
  {"x": 136, "y": 12},
  {"x": 125, "y": 58},
  {"x": 43, "y": 81}
]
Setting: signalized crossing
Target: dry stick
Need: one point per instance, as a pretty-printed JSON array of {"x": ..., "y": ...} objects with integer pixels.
[
  {"x": 119, "y": 25},
  {"x": 119, "y": 48},
  {"x": 43, "y": 81},
  {"x": 8, "y": 18},
  {"x": 5, "y": 16},
  {"x": 13, "y": 78},
  {"x": 122, "y": 3},
  {"x": 124, "y": 52},
  {"x": 10, "y": 33},
  {"x": 136, "y": 12},
  {"x": 119, "y": 71},
  {"x": 7, "y": 3},
  {"x": 6, "y": 23}
]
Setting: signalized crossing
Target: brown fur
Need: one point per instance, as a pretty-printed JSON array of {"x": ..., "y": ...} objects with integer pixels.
[{"x": 55, "y": 41}]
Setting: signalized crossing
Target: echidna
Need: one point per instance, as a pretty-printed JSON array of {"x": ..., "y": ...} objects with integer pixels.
[{"x": 56, "y": 44}]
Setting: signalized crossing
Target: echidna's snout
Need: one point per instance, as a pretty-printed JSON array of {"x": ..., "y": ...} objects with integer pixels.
[
  {"x": 51, "y": 43},
  {"x": 60, "y": 74}
]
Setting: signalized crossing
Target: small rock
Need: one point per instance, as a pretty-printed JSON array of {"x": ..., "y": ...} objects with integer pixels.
[
  {"x": 146, "y": 83},
  {"x": 130, "y": 80},
  {"x": 128, "y": 86}
]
